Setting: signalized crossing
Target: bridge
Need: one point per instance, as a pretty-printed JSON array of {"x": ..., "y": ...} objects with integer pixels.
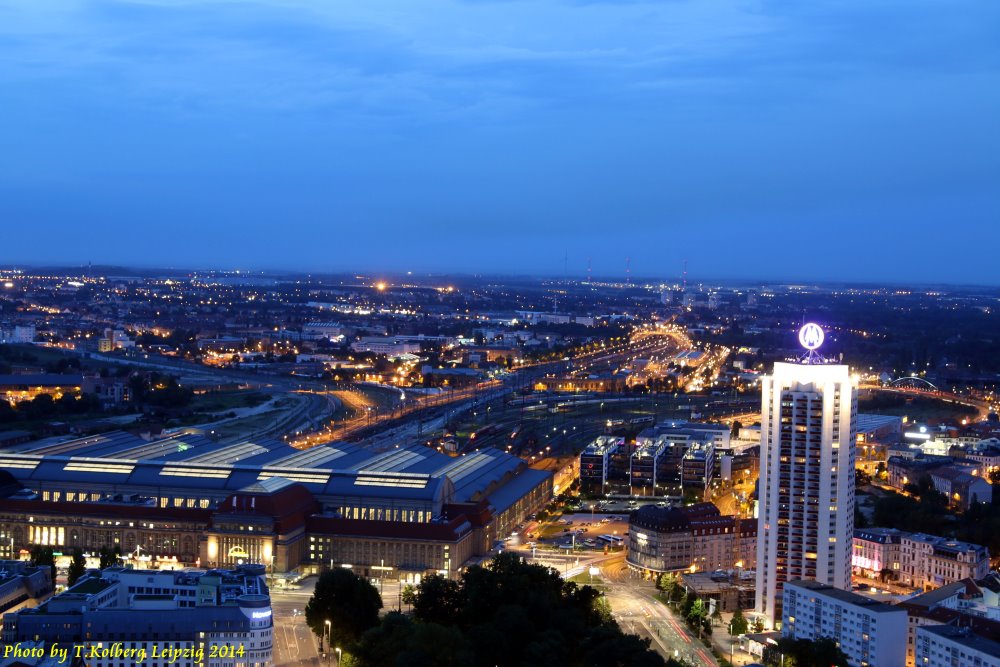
[
  {"x": 913, "y": 382},
  {"x": 912, "y": 385}
]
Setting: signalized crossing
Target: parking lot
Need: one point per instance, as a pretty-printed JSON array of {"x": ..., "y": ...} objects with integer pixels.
[{"x": 581, "y": 531}]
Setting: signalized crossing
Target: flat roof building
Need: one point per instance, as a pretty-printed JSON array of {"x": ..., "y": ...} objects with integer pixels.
[
  {"x": 203, "y": 617},
  {"x": 947, "y": 646},
  {"x": 594, "y": 461},
  {"x": 870, "y": 633}
]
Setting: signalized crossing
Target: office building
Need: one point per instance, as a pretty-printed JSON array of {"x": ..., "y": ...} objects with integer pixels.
[
  {"x": 806, "y": 487},
  {"x": 387, "y": 345},
  {"x": 646, "y": 463},
  {"x": 212, "y": 618},
  {"x": 870, "y": 633},
  {"x": 595, "y": 462},
  {"x": 697, "y": 467},
  {"x": 685, "y": 431},
  {"x": 696, "y": 538}
]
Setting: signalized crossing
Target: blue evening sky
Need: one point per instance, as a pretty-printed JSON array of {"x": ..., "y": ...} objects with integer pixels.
[{"x": 819, "y": 139}]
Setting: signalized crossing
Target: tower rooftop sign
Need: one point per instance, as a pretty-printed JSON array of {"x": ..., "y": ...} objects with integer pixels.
[{"x": 811, "y": 337}]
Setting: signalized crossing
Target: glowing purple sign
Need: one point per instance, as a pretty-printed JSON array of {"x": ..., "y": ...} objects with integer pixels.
[{"x": 811, "y": 336}]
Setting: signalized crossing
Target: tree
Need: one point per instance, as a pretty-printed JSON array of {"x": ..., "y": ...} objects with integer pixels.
[
  {"x": 110, "y": 556},
  {"x": 77, "y": 568},
  {"x": 399, "y": 640},
  {"x": 42, "y": 556},
  {"x": 506, "y": 612},
  {"x": 734, "y": 432},
  {"x": 789, "y": 652},
  {"x": 738, "y": 626},
  {"x": 409, "y": 594},
  {"x": 438, "y": 600},
  {"x": 886, "y": 573},
  {"x": 349, "y": 602},
  {"x": 697, "y": 609},
  {"x": 676, "y": 591},
  {"x": 692, "y": 496}
]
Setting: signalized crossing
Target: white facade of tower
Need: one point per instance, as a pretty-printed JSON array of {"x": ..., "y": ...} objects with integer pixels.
[{"x": 806, "y": 492}]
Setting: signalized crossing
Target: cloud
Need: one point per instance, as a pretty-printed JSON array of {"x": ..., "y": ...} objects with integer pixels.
[{"x": 567, "y": 122}]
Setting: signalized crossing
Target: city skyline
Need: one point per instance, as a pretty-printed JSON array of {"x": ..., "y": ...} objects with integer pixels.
[
  {"x": 755, "y": 142},
  {"x": 772, "y": 460},
  {"x": 386, "y": 276}
]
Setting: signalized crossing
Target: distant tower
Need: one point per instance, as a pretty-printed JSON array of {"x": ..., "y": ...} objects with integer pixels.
[
  {"x": 628, "y": 270},
  {"x": 590, "y": 278},
  {"x": 684, "y": 276},
  {"x": 806, "y": 490}
]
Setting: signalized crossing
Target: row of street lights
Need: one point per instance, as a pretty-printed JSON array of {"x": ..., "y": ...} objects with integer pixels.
[{"x": 329, "y": 641}]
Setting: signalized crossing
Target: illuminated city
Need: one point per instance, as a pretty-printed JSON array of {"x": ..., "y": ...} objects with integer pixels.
[{"x": 497, "y": 333}]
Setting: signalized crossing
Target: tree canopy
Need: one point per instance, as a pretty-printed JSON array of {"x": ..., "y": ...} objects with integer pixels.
[
  {"x": 77, "y": 568},
  {"x": 348, "y": 601},
  {"x": 789, "y": 652},
  {"x": 507, "y": 612},
  {"x": 738, "y": 626}
]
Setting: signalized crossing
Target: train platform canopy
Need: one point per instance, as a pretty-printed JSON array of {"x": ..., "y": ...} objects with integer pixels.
[{"x": 121, "y": 464}]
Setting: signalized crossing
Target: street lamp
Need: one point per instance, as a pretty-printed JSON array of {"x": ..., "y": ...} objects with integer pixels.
[
  {"x": 338, "y": 655},
  {"x": 329, "y": 637}
]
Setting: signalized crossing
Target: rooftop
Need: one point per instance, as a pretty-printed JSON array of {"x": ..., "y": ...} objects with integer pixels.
[
  {"x": 603, "y": 444},
  {"x": 847, "y": 597},
  {"x": 193, "y": 462},
  {"x": 965, "y": 637}
]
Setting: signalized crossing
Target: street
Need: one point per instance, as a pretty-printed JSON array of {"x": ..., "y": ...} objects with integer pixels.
[
  {"x": 638, "y": 612},
  {"x": 294, "y": 642}
]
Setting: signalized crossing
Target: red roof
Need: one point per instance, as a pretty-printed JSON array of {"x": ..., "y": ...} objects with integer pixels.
[
  {"x": 479, "y": 514},
  {"x": 984, "y": 627},
  {"x": 289, "y": 507}
]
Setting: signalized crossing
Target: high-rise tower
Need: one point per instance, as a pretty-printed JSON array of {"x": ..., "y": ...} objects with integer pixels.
[{"x": 808, "y": 431}]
